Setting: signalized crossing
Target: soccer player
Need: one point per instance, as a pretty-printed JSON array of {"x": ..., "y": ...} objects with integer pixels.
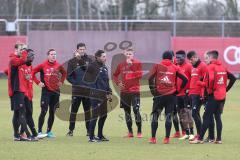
[
  {"x": 27, "y": 68},
  {"x": 28, "y": 98},
  {"x": 162, "y": 84},
  {"x": 176, "y": 110},
  {"x": 17, "y": 90},
  {"x": 183, "y": 106},
  {"x": 76, "y": 69},
  {"x": 127, "y": 77},
  {"x": 52, "y": 76},
  {"x": 98, "y": 80},
  {"x": 195, "y": 91},
  {"x": 216, "y": 83}
]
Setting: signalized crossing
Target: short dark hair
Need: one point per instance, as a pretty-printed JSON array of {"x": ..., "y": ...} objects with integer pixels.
[
  {"x": 30, "y": 50},
  {"x": 168, "y": 55},
  {"x": 99, "y": 53},
  {"x": 81, "y": 45},
  {"x": 191, "y": 54},
  {"x": 50, "y": 50},
  {"x": 181, "y": 52},
  {"x": 213, "y": 54}
]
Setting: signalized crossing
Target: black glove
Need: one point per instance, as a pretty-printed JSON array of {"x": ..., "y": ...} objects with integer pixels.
[{"x": 154, "y": 92}]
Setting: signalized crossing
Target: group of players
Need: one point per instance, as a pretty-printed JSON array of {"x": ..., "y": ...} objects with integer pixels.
[
  {"x": 21, "y": 75},
  {"x": 179, "y": 86}
]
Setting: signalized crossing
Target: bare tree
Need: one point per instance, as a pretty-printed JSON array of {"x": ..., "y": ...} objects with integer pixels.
[
  {"x": 89, "y": 3},
  {"x": 232, "y": 11},
  {"x": 68, "y": 12},
  {"x": 120, "y": 13}
]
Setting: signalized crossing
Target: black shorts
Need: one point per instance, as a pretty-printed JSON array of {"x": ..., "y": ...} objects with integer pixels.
[
  {"x": 49, "y": 98},
  {"x": 214, "y": 106},
  {"x": 130, "y": 99},
  {"x": 195, "y": 102},
  {"x": 17, "y": 101},
  {"x": 182, "y": 102},
  {"x": 167, "y": 101}
]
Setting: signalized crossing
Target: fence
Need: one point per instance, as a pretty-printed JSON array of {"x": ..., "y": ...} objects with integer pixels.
[{"x": 186, "y": 27}]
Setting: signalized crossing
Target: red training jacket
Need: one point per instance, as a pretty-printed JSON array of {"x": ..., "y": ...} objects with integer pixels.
[
  {"x": 50, "y": 74},
  {"x": 186, "y": 68},
  {"x": 216, "y": 80},
  {"x": 29, "y": 81},
  {"x": 130, "y": 76},
  {"x": 16, "y": 75},
  {"x": 165, "y": 74},
  {"x": 197, "y": 76}
]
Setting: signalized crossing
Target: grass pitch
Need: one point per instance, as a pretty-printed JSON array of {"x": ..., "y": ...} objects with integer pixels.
[{"x": 77, "y": 147}]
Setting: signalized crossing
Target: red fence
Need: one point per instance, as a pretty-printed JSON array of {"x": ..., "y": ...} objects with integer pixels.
[
  {"x": 229, "y": 48},
  {"x": 6, "y": 47}
]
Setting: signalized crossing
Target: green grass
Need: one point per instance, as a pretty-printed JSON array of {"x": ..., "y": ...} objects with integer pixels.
[{"x": 77, "y": 147}]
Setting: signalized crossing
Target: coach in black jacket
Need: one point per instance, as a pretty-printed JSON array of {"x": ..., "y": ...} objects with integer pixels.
[
  {"x": 98, "y": 80},
  {"x": 76, "y": 70}
]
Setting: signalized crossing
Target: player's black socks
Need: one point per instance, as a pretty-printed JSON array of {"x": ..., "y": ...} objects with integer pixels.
[
  {"x": 197, "y": 120},
  {"x": 187, "y": 131},
  {"x": 101, "y": 123},
  {"x": 154, "y": 124},
  {"x": 139, "y": 127},
  {"x": 22, "y": 121},
  {"x": 41, "y": 118},
  {"x": 15, "y": 124},
  {"x": 154, "y": 127},
  {"x": 191, "y": 131},
  {"x": 129, "y": 126},
  {"x": 218, "y": 126},
  {"x": 138, "y": 120},
  {"x": 128, "y": 119},
  {"x": 51, "y": 118},
  {"x": 87, "y": 125},
  {"x": 211, "y": 134},
  {"x": 176, "y": 122},
  {"x": 92, "y": 127},
  {"x": 168, "y": 124}
]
